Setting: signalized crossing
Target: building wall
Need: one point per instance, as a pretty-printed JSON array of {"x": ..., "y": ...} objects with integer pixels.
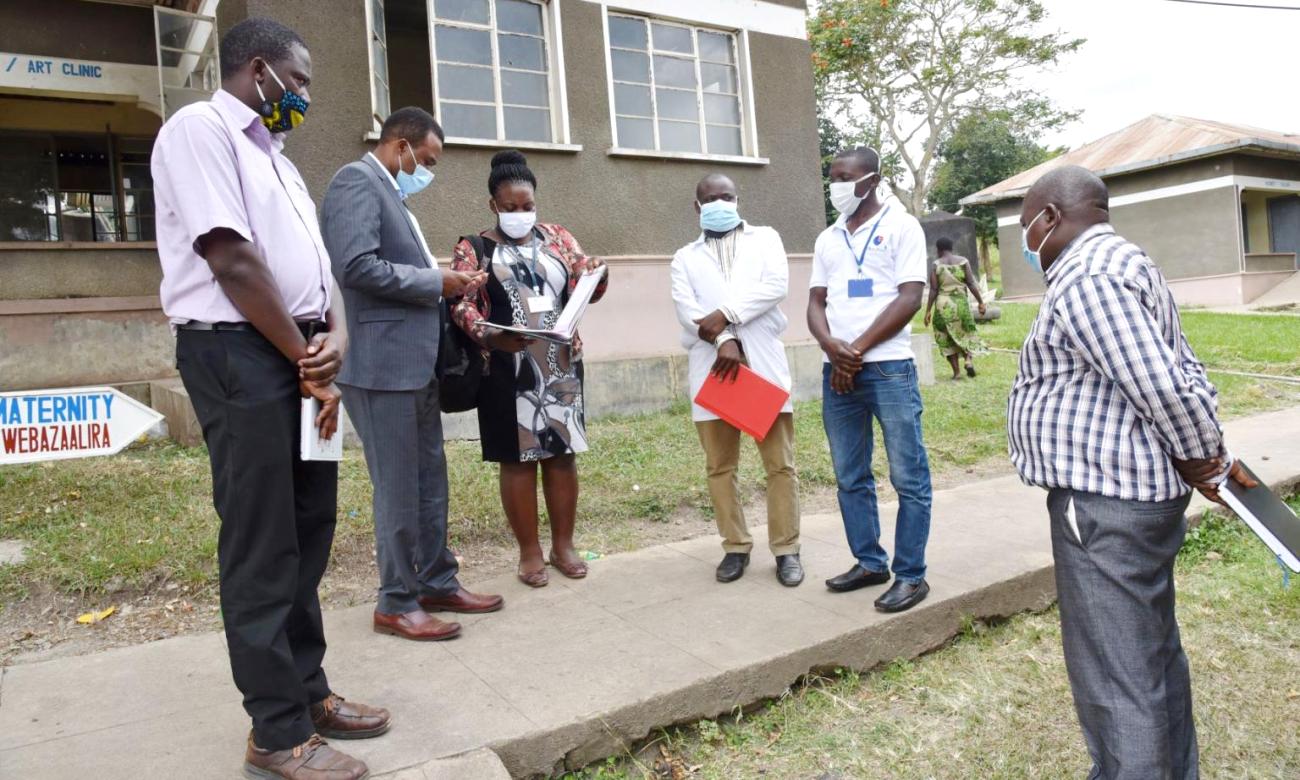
[
  {"x": 1266, "y": 167},
  {"x": 92, "y": 31},
  {"x": 636, "y": 212},
  {"x": 89, "y": 271},
  {"x": 102, "y": 341},
  {"x": 615, "y": 206},
  {"x": 1189, "y": 236}
]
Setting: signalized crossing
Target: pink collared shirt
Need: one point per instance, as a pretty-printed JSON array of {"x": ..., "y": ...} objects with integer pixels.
[{"x": 215, "y": 165}]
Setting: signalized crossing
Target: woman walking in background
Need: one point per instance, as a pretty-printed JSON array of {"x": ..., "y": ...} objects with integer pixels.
[
  {"x": 954, "y": 325},
  {"x": 530, "y": 407}
]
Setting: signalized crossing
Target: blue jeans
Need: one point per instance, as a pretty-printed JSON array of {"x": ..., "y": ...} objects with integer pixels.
[{"x": 888, "y": 391}]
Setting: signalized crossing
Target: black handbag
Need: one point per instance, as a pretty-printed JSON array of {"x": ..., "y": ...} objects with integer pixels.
[{"x": 460, "y": 361}]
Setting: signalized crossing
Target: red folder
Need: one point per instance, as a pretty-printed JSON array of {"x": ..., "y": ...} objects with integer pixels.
[{"x": 751, "y": 403}]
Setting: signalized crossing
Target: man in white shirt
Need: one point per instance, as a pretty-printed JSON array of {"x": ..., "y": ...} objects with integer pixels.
[
  {"x": 728, "y": 285},
  {"x": 869, "y": 270}
]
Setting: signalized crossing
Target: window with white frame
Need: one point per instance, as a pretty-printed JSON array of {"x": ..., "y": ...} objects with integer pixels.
[
  {"x": 676, "y": 87},
  {"x": 492, "y": 69},
  {"x": 379, "y": 92}
]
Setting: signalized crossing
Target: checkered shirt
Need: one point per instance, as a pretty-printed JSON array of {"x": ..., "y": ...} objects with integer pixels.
[{"x": 1109, "y": 390}]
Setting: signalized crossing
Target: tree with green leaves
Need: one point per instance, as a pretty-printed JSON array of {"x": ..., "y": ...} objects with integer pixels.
[
  {"x": 984, "y": 148},
  {"x": 917, "y": 67}
]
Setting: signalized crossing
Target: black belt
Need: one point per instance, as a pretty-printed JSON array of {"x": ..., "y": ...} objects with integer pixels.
[{"x": 308, "y": 328}]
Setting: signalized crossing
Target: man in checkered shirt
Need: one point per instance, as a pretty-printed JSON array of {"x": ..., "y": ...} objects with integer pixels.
[{"x": 1112, "y": 413}]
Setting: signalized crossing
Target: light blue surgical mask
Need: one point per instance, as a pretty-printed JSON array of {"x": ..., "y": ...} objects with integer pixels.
[
  {"x": 411, "y": 183},
  {"x": 719, "y": 216},
  {"x": 1033, "y": 256}
]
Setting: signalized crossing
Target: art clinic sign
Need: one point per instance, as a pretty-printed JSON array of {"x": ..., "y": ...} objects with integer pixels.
[
  {"x": 38, "y": 425},
  {"x": 55, "y": 76}
]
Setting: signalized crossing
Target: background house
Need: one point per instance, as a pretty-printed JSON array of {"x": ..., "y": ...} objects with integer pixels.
[
  {"x": 1217, "y": 206},
  {"x": 621, "y": 107}
]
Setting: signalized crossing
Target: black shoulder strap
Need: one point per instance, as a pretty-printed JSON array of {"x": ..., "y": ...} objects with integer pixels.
[{"x": 480, "y": 249}]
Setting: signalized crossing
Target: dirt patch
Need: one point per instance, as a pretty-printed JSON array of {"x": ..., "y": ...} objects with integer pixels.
[{"x": 44, "y": 625}]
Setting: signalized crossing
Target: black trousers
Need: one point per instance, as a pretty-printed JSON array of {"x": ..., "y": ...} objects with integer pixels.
[{"x": 277, "y": 524}]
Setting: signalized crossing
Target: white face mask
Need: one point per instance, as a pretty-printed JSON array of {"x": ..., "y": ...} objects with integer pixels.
[
  {"x": 517, "y": 224},
  {"x": 843, "y": 196}
]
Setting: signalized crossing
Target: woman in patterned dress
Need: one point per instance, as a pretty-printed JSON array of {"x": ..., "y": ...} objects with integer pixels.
[
  {"x": 954, "y": 326},
  {"x": 530, "y": 408}
]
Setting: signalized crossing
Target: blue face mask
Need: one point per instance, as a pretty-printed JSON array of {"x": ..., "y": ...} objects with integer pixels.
[
  {"x": 719, "y": 216},
  {"x": 1033, "y": 256},
  {"x": 411, "y": 183}
]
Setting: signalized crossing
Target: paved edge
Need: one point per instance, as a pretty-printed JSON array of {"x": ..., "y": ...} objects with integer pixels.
[
  {"x": 928, "y": 627},
  {"x": 478, "y": 764}
]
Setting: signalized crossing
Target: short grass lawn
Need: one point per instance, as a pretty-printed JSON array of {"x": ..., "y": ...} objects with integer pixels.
[
  {"x": 145, "y": 516},
  {"x": 996, "y": 701}
]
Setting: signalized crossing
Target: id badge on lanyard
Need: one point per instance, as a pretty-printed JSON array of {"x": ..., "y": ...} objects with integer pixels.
[
  {"x": 863, "y": 286},
  {"x": 539, "y": 302}
]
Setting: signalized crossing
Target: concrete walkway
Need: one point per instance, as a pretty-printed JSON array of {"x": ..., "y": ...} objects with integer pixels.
[{"x": 568, "y": 674}]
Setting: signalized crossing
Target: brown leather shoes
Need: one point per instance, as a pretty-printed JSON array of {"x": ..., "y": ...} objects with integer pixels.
[
  {"x": 336, "y": 718},
  {"x": 464, "y": 602},
  {"x": 417, "y": 625},
  {"x": 312, "y": 760}
]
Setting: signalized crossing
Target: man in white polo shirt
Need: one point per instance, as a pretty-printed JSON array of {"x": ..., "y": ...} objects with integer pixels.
[{"x": 869, "y": 272}]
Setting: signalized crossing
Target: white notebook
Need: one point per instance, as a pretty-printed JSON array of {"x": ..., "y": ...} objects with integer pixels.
[
  {"x": 312, "y": 446},
  {"x": 567, "y": 324}
]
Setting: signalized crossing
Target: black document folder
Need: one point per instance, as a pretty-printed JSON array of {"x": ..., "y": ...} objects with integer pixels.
[{"x": 1268, "y": 516}]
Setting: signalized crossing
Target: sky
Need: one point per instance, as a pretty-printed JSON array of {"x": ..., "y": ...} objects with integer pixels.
[{"x": 1144, "y": 57}]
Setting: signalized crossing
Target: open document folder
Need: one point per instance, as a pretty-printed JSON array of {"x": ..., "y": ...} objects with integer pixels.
[
  {"x": 1268, "y": 516},
  {"x": 567, "y": 325},
  {"x": 751, "y": 403},
  {"x": 311, "y": 445}
]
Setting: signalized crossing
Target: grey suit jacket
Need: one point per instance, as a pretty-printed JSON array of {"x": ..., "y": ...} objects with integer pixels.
[{"x": 390, "y": 291}]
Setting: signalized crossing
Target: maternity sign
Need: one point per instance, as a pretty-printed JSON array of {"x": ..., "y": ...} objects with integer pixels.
[{"x": 75, "y": 423}]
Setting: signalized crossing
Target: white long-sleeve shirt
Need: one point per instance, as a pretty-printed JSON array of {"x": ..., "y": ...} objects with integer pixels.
[{"x": 760, "y": 280}]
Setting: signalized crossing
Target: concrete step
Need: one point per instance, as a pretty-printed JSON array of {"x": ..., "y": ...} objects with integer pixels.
[{"x": 1286, "y": 292}]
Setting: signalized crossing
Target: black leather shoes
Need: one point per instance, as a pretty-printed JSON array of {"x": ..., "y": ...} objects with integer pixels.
[
  {"x": 732, "y": 566},
  {"x": 903, "y": 596},
  {"x": 855, "y": 578},
  {"x": 789, "y": 571}
]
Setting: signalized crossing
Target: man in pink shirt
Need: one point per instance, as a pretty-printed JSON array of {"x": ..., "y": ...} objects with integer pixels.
[{"x": 248, "y": 289}]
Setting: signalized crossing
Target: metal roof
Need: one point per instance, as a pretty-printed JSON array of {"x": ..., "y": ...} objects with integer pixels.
[{"x": 1153, "y": 142}]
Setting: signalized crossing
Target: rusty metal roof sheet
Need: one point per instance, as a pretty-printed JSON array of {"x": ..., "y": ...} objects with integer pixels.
[{"x": 1150, "y": 143}]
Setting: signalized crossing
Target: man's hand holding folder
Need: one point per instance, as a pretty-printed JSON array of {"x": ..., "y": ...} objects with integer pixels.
[
  {"x": 748, "y": 401},
  {"x": 727, "y": 366}
]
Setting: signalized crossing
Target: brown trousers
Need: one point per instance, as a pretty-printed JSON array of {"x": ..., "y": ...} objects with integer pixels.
[{"x": 722, "y": 456}]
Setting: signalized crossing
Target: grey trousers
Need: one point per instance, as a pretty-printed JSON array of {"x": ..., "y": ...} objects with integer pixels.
[
  {"x": 402, "y": 435},
  {"x": 1131, "y": 684}
]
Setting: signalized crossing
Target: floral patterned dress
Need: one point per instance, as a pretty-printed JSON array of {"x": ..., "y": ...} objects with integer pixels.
[
  {"x": 530, "y": 403},
  {"x": 954, "y": 325}
]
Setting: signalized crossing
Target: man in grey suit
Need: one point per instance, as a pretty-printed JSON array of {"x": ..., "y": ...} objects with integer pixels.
[{"x": 393, "y": 288}]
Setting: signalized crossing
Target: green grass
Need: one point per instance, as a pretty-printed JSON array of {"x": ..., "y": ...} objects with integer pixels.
[
  {"x": 145, "y": 516},
  {"x": 1259, "y": 343},
  {"x": 996, "y": 701}
]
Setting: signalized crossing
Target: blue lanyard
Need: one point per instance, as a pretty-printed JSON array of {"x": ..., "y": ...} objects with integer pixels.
[
  {"x": 537, "y": 285},
  {"x": 862, "y": 258}
]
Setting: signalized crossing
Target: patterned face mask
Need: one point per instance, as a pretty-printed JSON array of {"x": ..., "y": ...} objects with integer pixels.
[{"x": 285, "y": 115}]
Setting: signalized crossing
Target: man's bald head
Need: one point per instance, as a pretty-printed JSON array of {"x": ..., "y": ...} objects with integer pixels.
[
  {"x": 1071, "y": 188},
  {"x": 715, "y": 186},
  {"x": 1062, "y": 204}
]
